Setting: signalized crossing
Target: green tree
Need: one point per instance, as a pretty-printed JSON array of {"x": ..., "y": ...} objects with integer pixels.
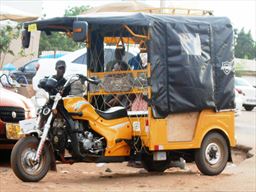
[
  {"x": 74, "y": 11},
  {"x": 245, "y": 46},
  {"x": 59, "y": 41},
  {"x": 7, "y": 34}
]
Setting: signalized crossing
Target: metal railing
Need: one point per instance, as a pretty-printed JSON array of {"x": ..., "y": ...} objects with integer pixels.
[{"x": 176, "y": 11}]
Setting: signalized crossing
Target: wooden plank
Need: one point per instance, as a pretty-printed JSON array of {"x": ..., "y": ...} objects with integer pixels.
[{"x": 181, "y": 126}]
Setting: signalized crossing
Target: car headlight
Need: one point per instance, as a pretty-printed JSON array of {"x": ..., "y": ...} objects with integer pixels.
[{"x": 41, "y": 97}]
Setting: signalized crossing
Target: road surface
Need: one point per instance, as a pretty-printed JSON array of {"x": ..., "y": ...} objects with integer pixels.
[{"x": 240, "y": 176}]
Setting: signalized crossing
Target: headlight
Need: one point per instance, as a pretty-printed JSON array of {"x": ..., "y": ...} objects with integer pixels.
[{"x": 41, "y": 97}]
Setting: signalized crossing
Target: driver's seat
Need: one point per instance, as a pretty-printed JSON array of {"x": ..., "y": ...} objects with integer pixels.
[{"x": 113, "y": 113}]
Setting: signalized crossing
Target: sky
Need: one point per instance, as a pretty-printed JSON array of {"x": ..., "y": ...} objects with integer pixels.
[{"x": 242, "y": 13}]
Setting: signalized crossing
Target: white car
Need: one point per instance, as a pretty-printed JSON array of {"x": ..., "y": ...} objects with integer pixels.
[
  {"x": 239, "y": 98},
  {"x": 76, "y": 63},
  {"x": 249, "y": 101}
]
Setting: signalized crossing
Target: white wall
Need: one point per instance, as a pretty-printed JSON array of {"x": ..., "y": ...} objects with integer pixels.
[{"x": 31, "y": 7}]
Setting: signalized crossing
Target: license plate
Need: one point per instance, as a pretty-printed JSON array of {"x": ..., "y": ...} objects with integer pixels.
[
  {"x": 159, "y": 156},
  {"x": 27, "y": 126},
  {"x": 13, "y": 131}
]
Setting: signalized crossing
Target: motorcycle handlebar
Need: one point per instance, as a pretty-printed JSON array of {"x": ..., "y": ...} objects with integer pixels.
[{"x": 90, "y": 80}]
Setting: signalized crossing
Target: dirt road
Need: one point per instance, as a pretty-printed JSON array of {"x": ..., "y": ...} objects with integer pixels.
[
  {"x": 89, "y": 177},
  {"x": 239, "y": 176}
]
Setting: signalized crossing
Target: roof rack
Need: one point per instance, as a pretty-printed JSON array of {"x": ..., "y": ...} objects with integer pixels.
[{"x": 176, "y": 11}]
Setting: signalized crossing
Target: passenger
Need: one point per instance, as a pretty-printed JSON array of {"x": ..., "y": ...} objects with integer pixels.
[
  {"x": 117, "y": 100},
  {"x": 119, "y": 53},
  {"x": 139, "y": 61}
]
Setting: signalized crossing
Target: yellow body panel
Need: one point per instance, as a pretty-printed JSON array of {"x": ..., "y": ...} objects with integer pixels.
[
  {"x": 143, "y": 132},
  {"x": 153, "y": 135},
  {"x": 112, "y": 130},
  {"x": 208, "y": 120}
]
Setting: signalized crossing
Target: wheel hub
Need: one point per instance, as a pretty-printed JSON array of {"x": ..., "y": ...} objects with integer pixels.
[
  {"x": 29, "y": 158},
  {"x": 28, "y": 162},
  {"x": 212, "y": 153}
]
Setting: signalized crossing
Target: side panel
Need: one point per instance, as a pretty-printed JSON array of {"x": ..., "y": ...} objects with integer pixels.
[
  {"x": 208, "y": 120},
  {"x": 140, "y": 128},
  {"x": 181, "y": 126},
  {"x": 115, "y": 131}
]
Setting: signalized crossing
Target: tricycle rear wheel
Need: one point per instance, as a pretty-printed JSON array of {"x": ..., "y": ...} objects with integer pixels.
[{"x": 212, "y": 157}]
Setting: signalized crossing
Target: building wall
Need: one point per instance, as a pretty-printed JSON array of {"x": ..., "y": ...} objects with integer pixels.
[{"x": 31, "y": 7}]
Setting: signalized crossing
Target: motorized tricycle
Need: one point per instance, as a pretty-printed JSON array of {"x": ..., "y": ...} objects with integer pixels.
[{"x": 179, "y": 104}]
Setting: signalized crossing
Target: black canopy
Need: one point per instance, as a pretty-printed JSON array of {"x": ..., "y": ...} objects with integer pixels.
[
  {"x": 191, "y": 57},
  {"x": 133, "y": 19}
]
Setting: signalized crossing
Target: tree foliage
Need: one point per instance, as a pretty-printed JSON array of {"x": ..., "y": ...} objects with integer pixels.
[
  {"x": 59, "y": 41},
  {"x": 7, "y": 34},
  {"x": 245, "y": 46},
  {"x": 74, "y": 11}
]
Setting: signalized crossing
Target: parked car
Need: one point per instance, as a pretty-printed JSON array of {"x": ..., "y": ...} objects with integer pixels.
[
  {"x": 249, "y": 101},
  {"x": 239, "y": 98},
  {"x": 57, "y": 55},
  {"x": 25, "y": 73},
  {"x": 76, "y": 63},
  {"x": 13, "y": 108}
]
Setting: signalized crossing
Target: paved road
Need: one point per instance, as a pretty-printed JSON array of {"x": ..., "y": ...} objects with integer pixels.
[{"x": 246, "y": 128}]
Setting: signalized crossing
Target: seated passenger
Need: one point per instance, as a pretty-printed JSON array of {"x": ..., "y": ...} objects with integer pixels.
[
  {"x": 119, "y": 53},
  {"x": 138, "y": 62},
  {"x": 117, "y": 100}
]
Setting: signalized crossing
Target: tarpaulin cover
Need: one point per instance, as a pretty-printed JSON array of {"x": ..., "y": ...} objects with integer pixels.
[
  {"x": 192, "y": 64},
  {"x": 191, "y": 58}
]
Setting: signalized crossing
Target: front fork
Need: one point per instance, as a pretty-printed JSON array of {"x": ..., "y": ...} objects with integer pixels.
[
  {"x": 43, "y": 138},
  {"x": 46, "y": 129}
]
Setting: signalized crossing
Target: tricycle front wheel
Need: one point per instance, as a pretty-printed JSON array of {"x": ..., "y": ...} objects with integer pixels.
[{"x": 22, "y": 160}]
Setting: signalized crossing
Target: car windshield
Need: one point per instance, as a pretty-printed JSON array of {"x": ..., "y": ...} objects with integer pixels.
[{"x": 241, "y": 82}]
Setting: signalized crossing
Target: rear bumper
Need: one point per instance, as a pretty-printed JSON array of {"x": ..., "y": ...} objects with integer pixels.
[{"x": 250, "y": 101}]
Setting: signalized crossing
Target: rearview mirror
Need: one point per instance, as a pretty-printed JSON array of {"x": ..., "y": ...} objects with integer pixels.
[
  {"x": 80, "y": 29},
  {"x": 25, "y": 38}
]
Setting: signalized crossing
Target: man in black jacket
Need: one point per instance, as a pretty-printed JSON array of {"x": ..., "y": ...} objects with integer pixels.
[{"x": 60, "y": 69}]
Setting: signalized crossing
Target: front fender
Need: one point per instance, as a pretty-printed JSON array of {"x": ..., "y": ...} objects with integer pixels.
[
  {"x": 53, "y": 166},
  {"x": 28, "y": 127},
  {"x": 32, "y": 132}
]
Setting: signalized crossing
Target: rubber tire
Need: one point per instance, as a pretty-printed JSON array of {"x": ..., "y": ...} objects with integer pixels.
[
  {"x": 17, "y": 168},
  {"x": 200, "y": 160},
  {"x": 154, "y": 166},
  {"x": 248, "y": 107}
]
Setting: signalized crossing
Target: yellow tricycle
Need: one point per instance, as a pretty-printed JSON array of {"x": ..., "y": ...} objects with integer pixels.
[{"x": 159, "y": 90}]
